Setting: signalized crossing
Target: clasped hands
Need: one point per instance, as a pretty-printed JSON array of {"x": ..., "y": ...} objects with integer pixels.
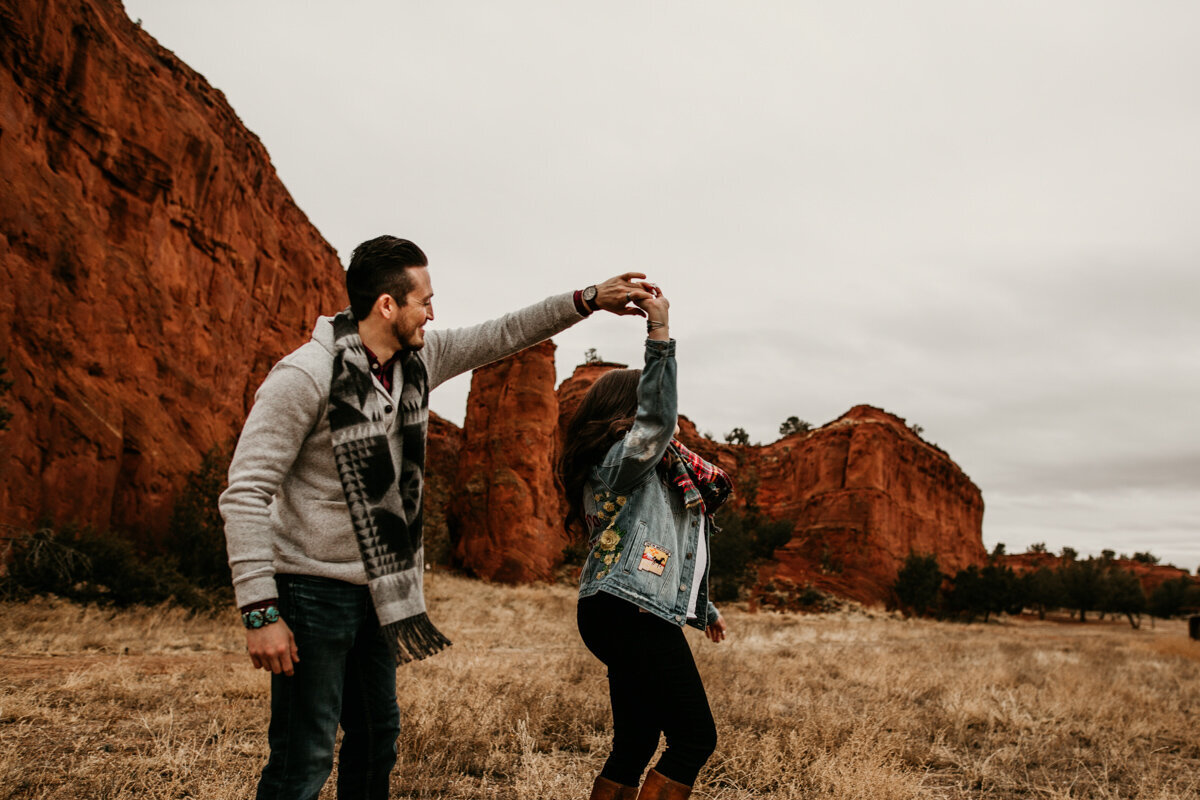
[{"x": 630, "y": 294}]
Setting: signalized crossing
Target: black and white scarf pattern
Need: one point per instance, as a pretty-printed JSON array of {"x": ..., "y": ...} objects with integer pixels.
[{"x": 383, "y": 488}]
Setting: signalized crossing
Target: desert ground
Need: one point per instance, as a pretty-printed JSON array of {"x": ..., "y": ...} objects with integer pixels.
[{"x": 156, "y": 703}]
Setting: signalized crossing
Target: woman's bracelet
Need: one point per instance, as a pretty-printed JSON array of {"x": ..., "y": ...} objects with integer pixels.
[{"x": 652, "y": 325}]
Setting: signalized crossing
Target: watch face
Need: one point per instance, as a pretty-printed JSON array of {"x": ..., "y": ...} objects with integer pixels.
[{"x": 589, "y": 293}]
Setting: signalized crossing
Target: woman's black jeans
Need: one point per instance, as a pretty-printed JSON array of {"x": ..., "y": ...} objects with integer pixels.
[{"x": 654, "y": 687}]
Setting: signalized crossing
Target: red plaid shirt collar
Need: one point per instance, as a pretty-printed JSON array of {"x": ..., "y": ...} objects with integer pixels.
[{"x": 383, "y": 372}]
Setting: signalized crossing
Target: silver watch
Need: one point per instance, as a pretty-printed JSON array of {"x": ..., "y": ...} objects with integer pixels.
[{"x": 589, "y": 298}]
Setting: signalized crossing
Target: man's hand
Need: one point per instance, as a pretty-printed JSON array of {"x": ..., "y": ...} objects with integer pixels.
[
  {"x": 618, "y": 295},
  {"x": 273, "y": 648},
  {"x": 716, "y": 630}
]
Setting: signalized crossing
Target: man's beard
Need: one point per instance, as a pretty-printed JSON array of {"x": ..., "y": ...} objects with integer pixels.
[{"x": 405, "y": 345}]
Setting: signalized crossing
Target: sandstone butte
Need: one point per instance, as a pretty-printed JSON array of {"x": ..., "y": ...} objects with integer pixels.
[
  {"x": 863, "y": 491},
  {"x": 154, "y": 267}
]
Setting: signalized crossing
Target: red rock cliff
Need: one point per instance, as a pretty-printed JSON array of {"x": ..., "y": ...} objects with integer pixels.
[
  {"x": 153, "y": 267},
  {"x": 505, "y": 517},
  {"x": 864, "y": 491}
]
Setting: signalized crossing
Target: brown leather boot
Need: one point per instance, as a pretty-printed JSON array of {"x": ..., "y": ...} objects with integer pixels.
[
  {"x": 604, "y": 789},
  {"x": 659, "y": 787}
]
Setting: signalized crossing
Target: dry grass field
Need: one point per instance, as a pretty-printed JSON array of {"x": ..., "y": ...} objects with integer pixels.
[{"x": 153, "y": 703}]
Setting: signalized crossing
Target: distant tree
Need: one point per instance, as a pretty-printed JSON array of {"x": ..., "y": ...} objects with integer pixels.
[
  {"x": 1042, "y": 590},
  {"x": 746, "y": 538},
  {"x": 590, "y": 356},
  {"x": 794, "y": 425},
  {"x": 1038, "y": 547},
  {"x": 1123, "y": 594},
  {"x": 1108, "y": 555},
  {"x": 195, "y": 538},
  {"x": 968, "y": 594},
  {"x": 1069, "y": 554},
  {"x": 917, "y": 429},
  {"x": 1170, "y": 597},
  {"x": 1145, "y": 558},
  {"x": 738, "y": 436},
  {"x": 998, "y": 550},
  {"x": 731, "y": 568},
  {"x": 5, "y": 385},
  {"x": 918, "y": 584},
  {"x": 1083, "y": 585},
  {"x": 1001, "y": 590}
]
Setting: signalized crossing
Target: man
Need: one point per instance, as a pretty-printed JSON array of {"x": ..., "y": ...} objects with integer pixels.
[{"x": 323, "y": 510}]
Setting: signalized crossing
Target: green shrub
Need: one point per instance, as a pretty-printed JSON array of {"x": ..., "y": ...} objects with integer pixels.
[
  {"x": 918, "y": 585},
  {"x": 195, "y": 540},
  {"x": 104, "y": 568},
  {"x": 745, "y": 538},
  {"x": 731, "y": 567}
]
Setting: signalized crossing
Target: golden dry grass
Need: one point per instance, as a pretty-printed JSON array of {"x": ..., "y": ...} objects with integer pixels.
[{"x": 153, "y": 703}]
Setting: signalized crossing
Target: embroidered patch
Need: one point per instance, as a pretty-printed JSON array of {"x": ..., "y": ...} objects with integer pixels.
[
  {"x": 654, "y": 559},
  {"x": 608, "y": 547}
]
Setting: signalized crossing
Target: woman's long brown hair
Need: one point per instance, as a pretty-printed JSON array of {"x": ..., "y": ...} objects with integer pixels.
[{"x": 605, "y": 415}]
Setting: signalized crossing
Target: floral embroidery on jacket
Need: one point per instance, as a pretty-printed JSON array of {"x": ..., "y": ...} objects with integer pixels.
[{"x": 611, "y": 541}]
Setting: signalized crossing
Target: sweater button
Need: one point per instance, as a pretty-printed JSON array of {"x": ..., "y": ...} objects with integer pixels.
[
  {"x": 678, "y": 618},
  {"x": 387, "y": 409}
]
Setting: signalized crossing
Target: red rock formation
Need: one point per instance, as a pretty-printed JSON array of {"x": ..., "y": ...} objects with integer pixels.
[
  {"x": 153, "y": 267},
  {"x": 443, "y": 448},
  {"x": 506, "y": 515},
  {"x": 572, "y": 390},
  {"x": 864, "y": 491}
]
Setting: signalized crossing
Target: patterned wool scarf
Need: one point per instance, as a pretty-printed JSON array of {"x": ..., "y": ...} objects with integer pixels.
[
  {"x": 703, "y": 484},
  {"x": 383, "y": 487}
]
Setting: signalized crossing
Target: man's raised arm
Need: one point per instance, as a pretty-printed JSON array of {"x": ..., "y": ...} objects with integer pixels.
[{"x": 453, "y": 352}]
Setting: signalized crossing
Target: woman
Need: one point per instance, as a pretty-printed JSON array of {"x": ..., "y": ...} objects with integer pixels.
[{"x": 646, "y": 503}]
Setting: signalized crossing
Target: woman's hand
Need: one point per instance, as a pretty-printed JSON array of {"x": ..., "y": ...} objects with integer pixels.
[
  {"x": 656, "y": 306},
  {"x": 716, "y": 631}
]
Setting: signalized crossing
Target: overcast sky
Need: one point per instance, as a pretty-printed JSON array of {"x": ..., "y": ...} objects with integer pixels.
[{"x": 983, "y": 217}]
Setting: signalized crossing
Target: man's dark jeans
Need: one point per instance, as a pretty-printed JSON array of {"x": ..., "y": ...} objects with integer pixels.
[{"x": 345, "y": 675}]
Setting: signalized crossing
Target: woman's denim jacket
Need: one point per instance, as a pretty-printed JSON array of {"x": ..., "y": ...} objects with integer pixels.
[{"x": 643, "y": 539}]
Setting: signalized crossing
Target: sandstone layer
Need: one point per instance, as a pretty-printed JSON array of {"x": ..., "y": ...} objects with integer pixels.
[
  {"x": 864, "y": 491},
  {"x": 153, "y": 265},
  {"x": 505, "y": 517}
]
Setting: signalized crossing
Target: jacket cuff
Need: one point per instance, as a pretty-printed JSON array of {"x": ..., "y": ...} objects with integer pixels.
[{"x": 660, "y": 349}]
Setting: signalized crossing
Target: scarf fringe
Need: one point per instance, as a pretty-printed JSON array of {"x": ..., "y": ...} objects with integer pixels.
[{"x": 414, "y": 638}]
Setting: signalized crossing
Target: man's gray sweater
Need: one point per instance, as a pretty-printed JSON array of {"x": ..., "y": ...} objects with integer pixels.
[{"x": 285, "y": 510}]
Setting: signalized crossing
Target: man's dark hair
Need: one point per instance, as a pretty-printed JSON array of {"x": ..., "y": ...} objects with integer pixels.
[{"x": 380, "y": 266}]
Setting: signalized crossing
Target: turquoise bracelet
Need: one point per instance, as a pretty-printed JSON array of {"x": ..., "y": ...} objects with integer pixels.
[{"x": 259, "y": 617}]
